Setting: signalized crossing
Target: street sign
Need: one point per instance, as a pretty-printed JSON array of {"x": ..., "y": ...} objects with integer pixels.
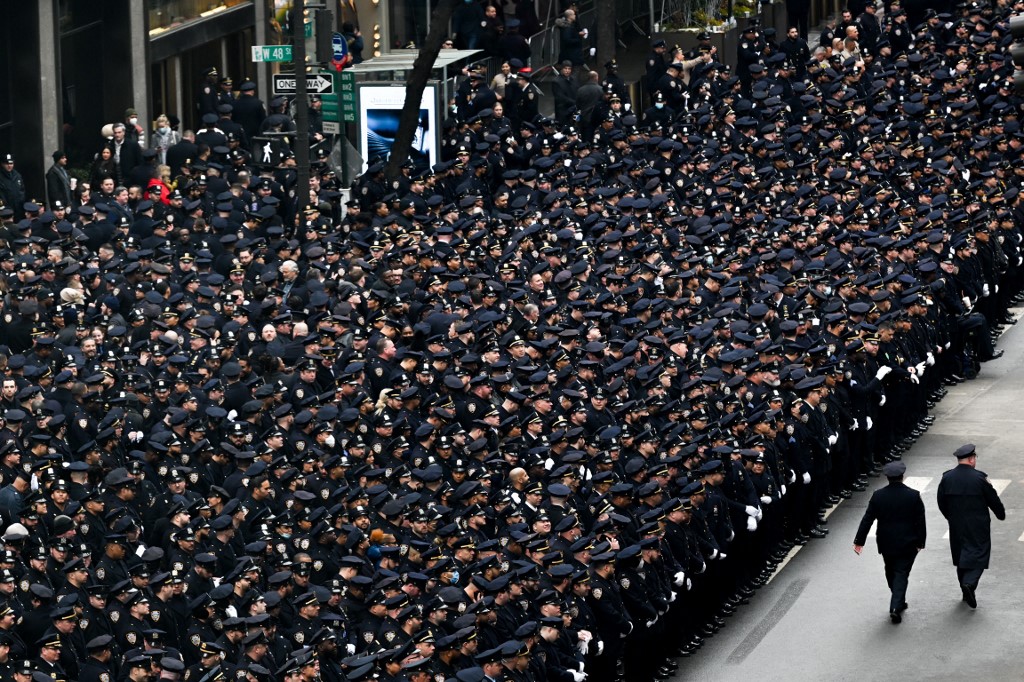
[
  {"x": 332, "y": 128},
  {"x": 339, "y": 46},
  {"x": 307, "y": 29},
  {"x": 271, "y": 53},
  {"x": 348, "y": 96},
  {"x": 316, "y": 84}
]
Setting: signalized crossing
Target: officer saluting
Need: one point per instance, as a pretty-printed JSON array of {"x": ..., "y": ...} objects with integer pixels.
[{"x": 965, "y": 497}]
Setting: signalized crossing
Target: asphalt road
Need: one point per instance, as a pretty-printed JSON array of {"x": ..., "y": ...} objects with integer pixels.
[{"x": 824, "y": 615}]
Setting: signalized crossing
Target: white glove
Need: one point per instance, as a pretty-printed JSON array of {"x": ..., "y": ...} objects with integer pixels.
[
  {"x": 832, "y": 439},
  {"x": 967, "y": 302},
  {"x": 583, "y": 646},
  {"x": 782, "y": 489},
  {"x": 714, "y": 553},
  {"x": 807, "y": 478},
  {"x": 792, "y": 476},
  {"x": 871, "y": 424},
  {"x": 679, "y": 578},
  {"x": 914, "y": 379},
  {"x": 723, "y": 556},
  {"x": 672, "y": 597},
  {"x": 920, "y": 367},
  {"x": 577, "y": 677},
  {"x": 651, "y": 623},
  {"x": 855, "y": 425},
  {"x": 751, "y": 524},
  {"x": 751, "y": 510},
  {"x": 584, "y": 635},
  {"x": 984, "y": 290},
  {"x": 600, "y": 647},
  {"x": 689, "y": 585},
  {"x": 732, "y": 536},
  {"x": 882, "y": 372},
  {"x": 593, "y": 51},
  {"x": 930, "y": 360},
  {"x": 882, "y": 400},
  {"x": 947, "y": 345},
  {"x": 995, "y": 288},
  {"x": 350, "y": 648},
  {"x": 760, "y": 515},
  {"x": 765, "y": 499}
]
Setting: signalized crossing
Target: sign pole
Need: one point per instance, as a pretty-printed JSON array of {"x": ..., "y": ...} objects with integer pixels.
[{"x": 301, "y": 109}]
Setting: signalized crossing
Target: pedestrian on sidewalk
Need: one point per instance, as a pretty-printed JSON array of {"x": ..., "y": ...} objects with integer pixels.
[
  {"x": 965, "y": 497},
  {"x": 901, "y": 533}
]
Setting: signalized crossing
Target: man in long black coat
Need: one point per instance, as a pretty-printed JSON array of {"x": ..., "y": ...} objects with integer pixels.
[
  {"x": 901, "y": 533},
  {"x": 965, "y": 498}
]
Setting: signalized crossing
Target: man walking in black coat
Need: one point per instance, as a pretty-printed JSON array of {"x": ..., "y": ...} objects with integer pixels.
[
  {"x": 965, "y": 498},
  {"x": 901, "y": 533}
]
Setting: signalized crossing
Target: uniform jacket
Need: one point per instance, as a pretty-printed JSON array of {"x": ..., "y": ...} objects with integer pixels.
[{"x": 900, "y": 515}]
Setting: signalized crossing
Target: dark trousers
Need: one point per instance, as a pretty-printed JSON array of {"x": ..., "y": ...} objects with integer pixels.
[
  {"x": 897, "y": 574},
  {"x": 969, "y": 576}
]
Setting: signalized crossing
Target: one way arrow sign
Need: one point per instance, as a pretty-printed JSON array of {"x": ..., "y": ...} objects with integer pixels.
[{"x": 316, "y": 84}]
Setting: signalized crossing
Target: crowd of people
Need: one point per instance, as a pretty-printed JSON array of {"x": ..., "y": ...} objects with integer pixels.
[{"x": 551, "y": 409}]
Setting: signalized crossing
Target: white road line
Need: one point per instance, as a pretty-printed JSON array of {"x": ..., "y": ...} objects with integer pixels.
[
  {"x": 1000, "y": 484},
  {"x": 918, "y": 483}
]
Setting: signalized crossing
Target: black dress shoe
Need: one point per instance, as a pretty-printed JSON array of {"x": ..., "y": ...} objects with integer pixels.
[
  {"x": 815, "y": 533},
  {"x": 969, "y": 595},
  {"x": 895, "y": 617},
  {"x": 995, "y": 356},
  {"x": 745, "y": 592}
]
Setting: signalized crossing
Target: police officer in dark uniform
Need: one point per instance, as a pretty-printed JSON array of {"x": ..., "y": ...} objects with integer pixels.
[{"x": 96, "y": 667}]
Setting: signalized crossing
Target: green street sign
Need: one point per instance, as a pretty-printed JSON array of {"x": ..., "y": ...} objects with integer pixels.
[
  {"x": 271, "y": 53},
  {"x": 347, "y": 88}
]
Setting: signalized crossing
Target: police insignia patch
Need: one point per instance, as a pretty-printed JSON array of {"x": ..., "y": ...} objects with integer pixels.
[
  {"x": 625, "y": 583},
  {"x": 304, "y": 544},
  {"x": 389, "y": 636},
  {"x": 317, "y": 565},
  {"x": 155, "y": 615},
  {"x": 24, "y": 585},
  {"x": 101, "y": 573},
  {"x": 115, "y": 616},
  {"x": 325, "y": 493},
  {"x": 104, "y": 677},
  {"x": 597, "y": 592},
  {"x": 403, "y": 550},
  {"x": 84, "y": 624},
  {"x": 83, "y": 423},
  {"x": 300, "y": 446},
  {"x": 131, "y": 637},
  {"x": 299, "y": 393},
  {"x": 368, "y": 637},
  {"x": 195, "y": 639},
  {"x": 300, "y": 636}
]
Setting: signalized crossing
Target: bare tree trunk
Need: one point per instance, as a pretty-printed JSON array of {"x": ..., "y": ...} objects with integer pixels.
[
  {"x": 414, "y": 87},
  {"x": 605, "y": 34}
]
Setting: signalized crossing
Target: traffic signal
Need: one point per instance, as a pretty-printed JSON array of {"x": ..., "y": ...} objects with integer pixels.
[
  {"x": 1017, "y": 52},
  {"x": 323, "y": 30}
]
